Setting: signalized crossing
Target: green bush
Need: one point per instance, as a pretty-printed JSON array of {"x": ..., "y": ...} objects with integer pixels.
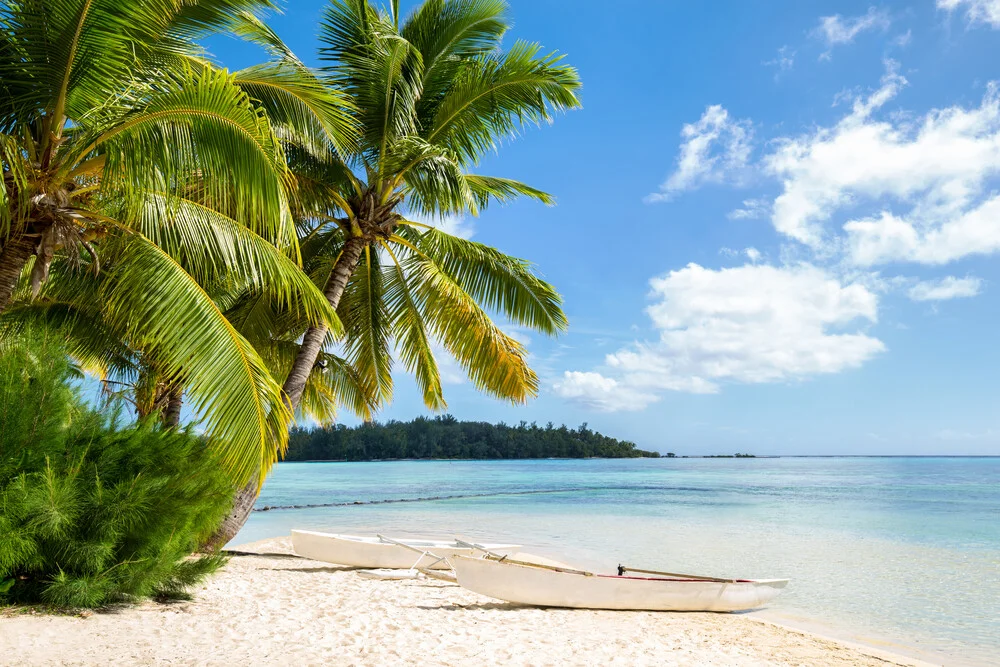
[{"x": 95, "y": 510}]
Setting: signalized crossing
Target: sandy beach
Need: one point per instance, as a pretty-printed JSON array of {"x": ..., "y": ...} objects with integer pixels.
[{"x": 278, "y": 610}]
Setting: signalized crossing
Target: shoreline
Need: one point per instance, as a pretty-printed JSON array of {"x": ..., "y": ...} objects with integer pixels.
[
  {"x": 894, "y": 653},
  {"x": 267, "y": 608}
]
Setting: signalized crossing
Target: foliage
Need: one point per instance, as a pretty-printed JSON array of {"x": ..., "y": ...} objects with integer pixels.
[
  {"x": 91, "y": 511},
  {"x": 447, "y": 438},
  {"x": 433, "y": 95},
  {"x": 139, "y": 174}
]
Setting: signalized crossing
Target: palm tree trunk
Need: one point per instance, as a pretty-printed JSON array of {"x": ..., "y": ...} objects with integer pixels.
[
  {"x": 312, "y": 342},
  {"x": 172, "y": 413},
  {"x": 295, "y": 383},
  {"x": 14, "y": 255}
]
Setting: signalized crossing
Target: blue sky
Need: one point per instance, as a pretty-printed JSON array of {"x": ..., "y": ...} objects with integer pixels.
[{"x": 776, "y": 229}]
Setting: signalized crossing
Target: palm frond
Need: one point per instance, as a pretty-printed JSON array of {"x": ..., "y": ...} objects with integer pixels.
[
  {"x": 304, "y": 110},
  {"x": 378, "y": 68},
  {"x": 410, "y": 333},
  {"x": 496, "y": 363},
  {"x": 494, "y": 94},
  {"x": 200, "y": 123},
  {"x": 448, "y": 32},
  {"x": 211, "y": 246},
  {"x": 502, "y": 190},
  {"x": 498, "y": 281},
  {"x": 168, "y": 315},
  {"x": 367, "y": 325}
]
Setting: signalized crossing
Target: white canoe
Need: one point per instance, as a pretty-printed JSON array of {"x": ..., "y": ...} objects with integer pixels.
[
  {"x": 373, "y": 552},
  {"x": 547, "y": 587}
]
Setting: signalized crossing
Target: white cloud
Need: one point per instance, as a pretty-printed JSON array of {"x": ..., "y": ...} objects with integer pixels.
[
  {"x": 888, "y": 238},
  {"x": 935, "y": 168},
  {"x": 602, "y": 393},
  {"x": 714, "y": 149},
  {"x": 819, "y": 170},
  {"x": 946, "y": 288},
  {"x": 752, "y": 254},
  {"x": 784, "y": 61},
  {"x": 976, "y": 11},
  {"x": 749, "y": 324},
  {"x": 450, "y": 370},
  {"x": 836, "y": 29},
  {"x": 903, "y": 40},
  {"x": 456, "y": 225},
  {"x": 752, "y": 209}
]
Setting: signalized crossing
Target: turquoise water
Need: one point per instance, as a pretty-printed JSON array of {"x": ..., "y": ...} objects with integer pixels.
[{"x": 903, "y": 551}]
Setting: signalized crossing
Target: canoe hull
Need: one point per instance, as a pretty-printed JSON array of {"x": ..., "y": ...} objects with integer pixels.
[
  {"x": 369, "y": 552},
  {"x": 548, "y": 588}
]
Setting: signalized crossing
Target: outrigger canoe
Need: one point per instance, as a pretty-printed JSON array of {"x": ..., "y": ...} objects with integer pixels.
[
  {"x": 379, "y": 552},
  {"x": 544, "y": 586}
]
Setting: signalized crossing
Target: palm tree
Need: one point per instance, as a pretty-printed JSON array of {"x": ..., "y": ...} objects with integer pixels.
[
  {"x": 432, "y": 96},
  {"x": 135, "y": 171}
]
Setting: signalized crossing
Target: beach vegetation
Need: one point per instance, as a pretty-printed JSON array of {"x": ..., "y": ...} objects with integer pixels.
[{"x": 96, "y": 508}]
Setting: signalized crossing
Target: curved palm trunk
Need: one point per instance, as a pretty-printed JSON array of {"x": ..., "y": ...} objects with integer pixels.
[
  {"x": 14, "y": 256},
  {"x": 172, "y": 413},
  {"x": 295, "y": 383}
]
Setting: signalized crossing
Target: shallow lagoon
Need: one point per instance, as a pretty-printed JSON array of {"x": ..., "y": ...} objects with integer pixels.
[{"x": 898, "y": 550}]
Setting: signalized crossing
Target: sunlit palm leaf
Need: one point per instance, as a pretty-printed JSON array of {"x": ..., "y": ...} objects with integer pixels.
[
  {"x": 494, "y": 361},
  {"x": 498, "y": 281},
  {"x": 167, "y": 314},
  {"x": 300, "y": 106},
  {"x": 367, "y": 325},
  {"x": 211, "y": 246},
  {"x": 408, "y": 324}
]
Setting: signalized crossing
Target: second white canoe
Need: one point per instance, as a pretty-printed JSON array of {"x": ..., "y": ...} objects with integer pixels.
[
  {"x": 545, "y": 587},
  {"x": 372, "y": 552}
]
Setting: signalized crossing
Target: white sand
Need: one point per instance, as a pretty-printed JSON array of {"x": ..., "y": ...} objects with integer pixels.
[{"x": 287, "y": 611}]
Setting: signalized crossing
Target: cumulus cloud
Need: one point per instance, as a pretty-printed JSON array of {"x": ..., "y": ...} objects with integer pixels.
[
  {"x": 602, "y": 393},
  {"x": 714, "y": 149},
  {"x": 933, "y": 170},
  {"x": 976, "y": 11},
  {"x": 835, "y": 30},
  {"x": 946, "y": 288},
  {"x": 888, "y": 238},
  {"x": 749, "y": 324}
]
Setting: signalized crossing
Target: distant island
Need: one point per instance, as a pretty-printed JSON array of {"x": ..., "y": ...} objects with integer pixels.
[{"x": 448, "y": 438}]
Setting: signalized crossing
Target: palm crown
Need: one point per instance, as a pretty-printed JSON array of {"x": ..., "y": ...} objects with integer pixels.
[
  {"x": 433, "y": 95},
  {"x": 136, "y": 173}
]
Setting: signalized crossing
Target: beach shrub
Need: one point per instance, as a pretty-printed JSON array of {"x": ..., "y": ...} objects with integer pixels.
[{"x": 94, "y": 508}]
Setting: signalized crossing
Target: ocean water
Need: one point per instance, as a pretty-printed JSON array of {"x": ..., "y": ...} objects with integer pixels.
[{"x": 902, "y": 553}]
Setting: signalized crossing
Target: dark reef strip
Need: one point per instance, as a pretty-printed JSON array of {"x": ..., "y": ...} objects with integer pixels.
[{"x": 458, "y": 496}]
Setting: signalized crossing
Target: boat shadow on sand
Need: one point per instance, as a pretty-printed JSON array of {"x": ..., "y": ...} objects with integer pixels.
[
  {"x": 483, "y": 606},
  {"x": 332, "y": 569},
  {"x": 513, "y": 606}
]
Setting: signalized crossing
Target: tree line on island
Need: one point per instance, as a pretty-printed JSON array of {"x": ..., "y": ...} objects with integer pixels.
[{"x": 445, "y": 437}]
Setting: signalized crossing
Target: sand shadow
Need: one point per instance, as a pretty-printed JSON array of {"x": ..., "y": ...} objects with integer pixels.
[
  {"x": 320, "y": 568},
  {"x": 260, "y": 554},
  {"x": 483, "y": 606}
]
